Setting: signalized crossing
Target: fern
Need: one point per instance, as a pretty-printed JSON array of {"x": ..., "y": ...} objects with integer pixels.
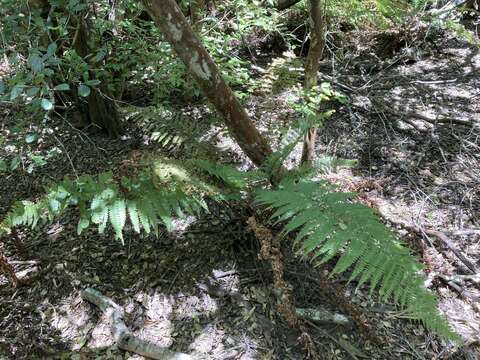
[
  {"x": 328, "y": 224},
  {"x": 143, "y": 201},
  {"x": 230, "y": 176}
]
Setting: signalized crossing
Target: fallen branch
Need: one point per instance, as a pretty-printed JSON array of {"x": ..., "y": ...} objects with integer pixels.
[
  {"x": 465, "y": 232},
  {"x": 123, "y": 337},
  {"x": 405, "y": 114},
  {"x": 475, "y": 278},
  {"x": 438, "y": 120},
  {"x": 323, "y": 316},
  {"x": 446, "y": 240}
]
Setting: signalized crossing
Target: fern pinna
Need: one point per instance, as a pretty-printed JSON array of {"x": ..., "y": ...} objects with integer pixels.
[{"x": 329, "y": 224}]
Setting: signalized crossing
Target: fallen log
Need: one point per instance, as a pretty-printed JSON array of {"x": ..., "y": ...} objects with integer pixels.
[{"x": 123, "y": 336}]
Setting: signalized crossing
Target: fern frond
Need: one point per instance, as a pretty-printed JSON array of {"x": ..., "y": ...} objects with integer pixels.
[
  {"x": 142, "y": 201},
  {"x": 228, "y": 174},
  {"x": 329, "y": 225},
  {"x": 118, "y": 215}
]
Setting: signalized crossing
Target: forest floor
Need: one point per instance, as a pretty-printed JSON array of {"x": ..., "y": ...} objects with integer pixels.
[{"x": 418, "y": 164}]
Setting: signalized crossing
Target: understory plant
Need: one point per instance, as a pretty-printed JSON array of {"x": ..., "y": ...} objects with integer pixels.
[{"x": 324, "y": 225}]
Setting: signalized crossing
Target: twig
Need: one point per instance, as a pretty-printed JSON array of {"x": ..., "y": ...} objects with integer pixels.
[
  {"x": 465, "y": 232},
  {"x": 438, "y": 234},
  {"x": 347, "y": 349},
  {"x": 448, "y": 242},
  {"x": 438, "y": 120}
]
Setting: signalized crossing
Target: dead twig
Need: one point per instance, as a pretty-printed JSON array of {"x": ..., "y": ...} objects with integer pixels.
[
  {"x": 435, "y": 233},
  {"x": 449, "y": 243},
  {"x": 7, "y": 269},
  {"x": 124, "y": 338}
]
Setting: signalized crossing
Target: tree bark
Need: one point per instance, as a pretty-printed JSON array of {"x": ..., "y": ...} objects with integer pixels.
[
  {"x": 312, "y": 65},
  {"x": 171, "y": 21},
  {"x": 99, "y": 110},
  {"x": 285, "y": 4}
]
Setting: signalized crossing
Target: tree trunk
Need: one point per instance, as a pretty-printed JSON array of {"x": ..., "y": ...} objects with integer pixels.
[
  {"x": 312, "y": 64},
  {"x": 99, "y": 109},
  {"x": 285, "y": 4},
  {"x": 170, "y": 20}
]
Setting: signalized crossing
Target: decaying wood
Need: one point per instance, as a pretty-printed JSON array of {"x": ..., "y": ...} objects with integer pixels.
[
  {"x": 170, "y": 20},
  {"x": 7, "y": 269},
  {"x": 323, "y": 316},
  {"x": 123, "y": 336}
]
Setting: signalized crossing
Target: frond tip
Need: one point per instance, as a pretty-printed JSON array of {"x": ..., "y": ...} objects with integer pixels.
[{"x": 328, "y": 224}]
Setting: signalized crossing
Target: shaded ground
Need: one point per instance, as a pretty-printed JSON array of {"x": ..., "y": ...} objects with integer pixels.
[{"x": 202, "y": 289}]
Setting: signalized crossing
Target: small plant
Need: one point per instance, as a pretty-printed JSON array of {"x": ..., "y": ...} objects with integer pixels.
[{"x": 327, "y": 224}]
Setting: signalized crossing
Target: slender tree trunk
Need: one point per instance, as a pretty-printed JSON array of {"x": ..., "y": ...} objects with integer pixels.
[
  {"x": 99, "y": 110},
  {"x": 312, "y": 64},
  {"x": 170, "y": 20}
]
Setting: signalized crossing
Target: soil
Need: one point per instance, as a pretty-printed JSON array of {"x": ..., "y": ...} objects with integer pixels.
[{"x": 202, "y": 289}]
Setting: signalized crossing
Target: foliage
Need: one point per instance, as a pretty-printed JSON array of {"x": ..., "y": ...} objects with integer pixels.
[
  {"x": 165, "y": 190},
  {"x": 329, "y": 224}
]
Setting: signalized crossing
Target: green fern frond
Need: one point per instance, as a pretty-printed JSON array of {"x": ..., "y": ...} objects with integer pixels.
[
  {"x": 228, "y": 174},
  {"x": 143, "y": 202},
  {"x": 118, "y": 215},
  {"x": 329, "y": 224}
]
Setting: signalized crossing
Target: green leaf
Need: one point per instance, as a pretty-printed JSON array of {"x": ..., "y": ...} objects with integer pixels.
[
  {"x": 83, "y": 90},
  {"x": 31, "y": 92},
  {"x": 30, "y": 138},
  {"x": 62, "y": 87},
  {"x": 82, "y": 225},
  {"x": 93, "y": 82},
  {"x": 36, "y": 63},
  {"x": 52, "y": 48},
  {"x": 329, "y": 223},
  {"x": 16, "y": 91},
  {"x": 118, "y": 216},
  {"x": 133, "y": 214},
  {"x": 3, "y": 165},
  {"x": 54, "y": 205},
  {"x": 37, "y": 159},
  {"x": 15, "y": 162},
  {"x": 46, "y": 104}
]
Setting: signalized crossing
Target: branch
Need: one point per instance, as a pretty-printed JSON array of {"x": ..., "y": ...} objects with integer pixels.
[
  {"x": 438, "y": 234},
  {"x": 123, "y": 337}
]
